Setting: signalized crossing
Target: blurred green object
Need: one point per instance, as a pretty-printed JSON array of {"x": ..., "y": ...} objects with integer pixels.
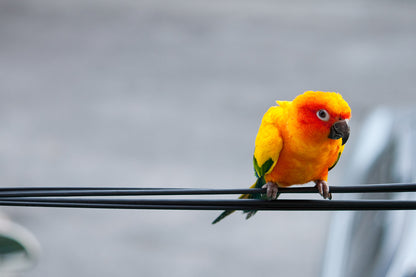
[
  {"x": 19, "y": 249},
  {"x": 10, "y": 246}
]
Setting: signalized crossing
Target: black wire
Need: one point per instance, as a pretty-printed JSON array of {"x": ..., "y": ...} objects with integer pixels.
[
  {"x": 237, "y": 204},
  {"x": 132, "y": 191},
  {"x": 70, "y": 192},
  {"x": 65, "y": 197}
]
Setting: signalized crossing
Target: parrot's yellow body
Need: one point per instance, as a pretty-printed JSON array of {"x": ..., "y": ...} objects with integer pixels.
[{"x": 299, "y": 141}]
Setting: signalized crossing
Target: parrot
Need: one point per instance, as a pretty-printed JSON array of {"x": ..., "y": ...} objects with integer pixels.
[{"x": 298, "y": 142}]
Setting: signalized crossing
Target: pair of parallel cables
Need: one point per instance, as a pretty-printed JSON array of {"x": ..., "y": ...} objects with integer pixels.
[{"x": 137, "y": 198}]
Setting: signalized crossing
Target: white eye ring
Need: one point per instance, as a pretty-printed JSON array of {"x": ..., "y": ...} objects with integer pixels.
[{"x": 322, "y": 115}]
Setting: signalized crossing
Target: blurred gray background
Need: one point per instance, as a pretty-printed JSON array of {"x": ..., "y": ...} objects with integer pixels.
[{"x": 171, "y": 93}]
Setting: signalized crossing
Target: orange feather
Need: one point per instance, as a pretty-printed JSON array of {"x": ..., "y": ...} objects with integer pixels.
[
  {"x": 300, "y": 141},
  {"x": 306, "y": 153}
]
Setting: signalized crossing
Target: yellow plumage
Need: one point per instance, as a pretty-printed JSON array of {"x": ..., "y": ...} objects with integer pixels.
[{"x": 299, "y": 141}]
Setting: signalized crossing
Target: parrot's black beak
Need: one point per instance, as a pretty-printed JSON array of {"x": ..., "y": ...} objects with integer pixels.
[{"x": 340, "y": 129}]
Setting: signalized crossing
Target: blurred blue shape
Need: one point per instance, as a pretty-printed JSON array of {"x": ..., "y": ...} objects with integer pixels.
[{"x": 377, "y": 243}]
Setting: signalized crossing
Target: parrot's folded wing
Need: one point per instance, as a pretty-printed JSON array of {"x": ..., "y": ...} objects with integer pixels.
[{"x": 269, "y": 142}]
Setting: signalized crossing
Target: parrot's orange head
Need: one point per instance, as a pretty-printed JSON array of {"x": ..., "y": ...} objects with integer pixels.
[{"x": 322, "y": 115}]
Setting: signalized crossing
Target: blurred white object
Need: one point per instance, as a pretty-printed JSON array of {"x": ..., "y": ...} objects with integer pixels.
[
  {"x": 19, "y": 249},
  {"x": 377, "y": 243}
]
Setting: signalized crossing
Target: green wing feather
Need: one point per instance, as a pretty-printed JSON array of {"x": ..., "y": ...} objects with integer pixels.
[{"x": 260, "y": 171}]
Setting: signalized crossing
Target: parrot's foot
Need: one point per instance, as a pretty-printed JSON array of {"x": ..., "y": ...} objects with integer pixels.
[
  {"x": 272, "y": 190},
  {"x": 323, "y": 189}
]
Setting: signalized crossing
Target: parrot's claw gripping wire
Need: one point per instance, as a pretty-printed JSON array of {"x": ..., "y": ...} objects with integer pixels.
[
  {"x": 272, "y": 190},
  {"x": 323, "y": 189}
]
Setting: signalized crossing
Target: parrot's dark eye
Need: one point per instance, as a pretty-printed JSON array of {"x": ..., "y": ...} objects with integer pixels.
[{"x": 322, "y": 115}]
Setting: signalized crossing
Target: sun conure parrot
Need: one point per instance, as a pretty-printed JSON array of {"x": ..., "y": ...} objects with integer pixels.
[{"x": 298, "y": 142}]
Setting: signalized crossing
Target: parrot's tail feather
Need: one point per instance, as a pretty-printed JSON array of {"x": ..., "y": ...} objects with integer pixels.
[
  {"x": 250, "y": 213},
  {"x": 258, "y": 184},
  {"x": 228, "y": 212},
  {"x": 221, "y": 216}
]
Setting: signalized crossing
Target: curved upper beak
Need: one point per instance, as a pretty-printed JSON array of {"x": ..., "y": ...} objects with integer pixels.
[{"x": 340, "y": 129}]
